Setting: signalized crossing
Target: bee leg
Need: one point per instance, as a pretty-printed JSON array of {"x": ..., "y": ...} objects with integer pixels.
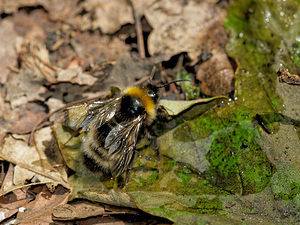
[
  {"x": 129, "y": 169},
  {"x": 159, "y": 156}
]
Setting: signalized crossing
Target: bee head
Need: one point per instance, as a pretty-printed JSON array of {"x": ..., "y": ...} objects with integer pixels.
[
  {"x": 136, "y": 100},
  {"x": 152, "y": 92}
]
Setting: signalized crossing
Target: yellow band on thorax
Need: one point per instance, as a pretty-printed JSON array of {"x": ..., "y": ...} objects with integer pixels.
[{"x": 147, "y": 102}]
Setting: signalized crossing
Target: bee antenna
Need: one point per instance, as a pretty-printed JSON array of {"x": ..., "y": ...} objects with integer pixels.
[{"x": 175, "y": 81}]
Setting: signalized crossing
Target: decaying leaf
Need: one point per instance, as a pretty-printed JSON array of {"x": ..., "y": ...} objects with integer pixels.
[
  {"x": 112, "y": 197},
  {"x": 127, "y": 70},
  {"x": 109, "y": 16},
  {"x": 85, "y": 209},
  {"x": 174, "y": 108},
  {"x": 196, "y": 28},
  {"x": 285, "y": 77},
  {"x": 27, "y": 116},
  {"x": 32, "y": 26},
  {"x": 11, "y": 203},
  {"x": 8, "y": 54},
  {"x": 12, "y": 6},
  {"x": 35, "y": 58},
  {"x": 77, "y": 211},
  {"x": 22, "y": 88},
  {"x": 99, "y": 48},
  {"x": 181, "y": 27},
  {"x": 29, "y": 165},
  {"x": 75, "y": 75},
  {"x": 39, "y": 211}
]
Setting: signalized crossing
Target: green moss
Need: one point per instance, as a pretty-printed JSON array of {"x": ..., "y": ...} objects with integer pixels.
[
  {"x": 190, "y": 183},
  {"x": 206, "y": 205},
  {"x": 263, "y": 37},
  {"x": 231, "y": 138},
  {"x": 286, "y": 183},
  {"x": 169, "y": 165},
  {"x": 294, "y": 190},
  {"x": 152, "y": 178},
  {"x": 237, "y": 162},
  {"x": 203, "y": 205},
  {"x": 184, "y": 134}
]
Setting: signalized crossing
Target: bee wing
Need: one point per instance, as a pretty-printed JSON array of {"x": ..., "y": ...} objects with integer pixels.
[
  {"x": 75, "y": 115},
  {"x": 96, "y": 114},
  {"x": 122, "y": 140}
]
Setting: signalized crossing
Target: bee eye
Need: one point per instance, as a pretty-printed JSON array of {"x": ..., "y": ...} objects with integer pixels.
[{"x": 151, "y": 94}]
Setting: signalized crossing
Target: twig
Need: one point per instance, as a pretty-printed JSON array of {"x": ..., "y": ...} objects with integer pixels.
[
  {"x": 139, "y": 31},
  {"x": 57, "y": 45}
]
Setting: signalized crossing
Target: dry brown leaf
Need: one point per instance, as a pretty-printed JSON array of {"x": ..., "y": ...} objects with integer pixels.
[
  {"x": 22, "y": 88},
  {"x": 61, "y": 10},
  {"x": 29, "y": 115},
  {"x": 12, "y": 6},
  {"x": 127, "y": 70},
  {"x": 180, "y": 27},
  {"x": 8, "y": 55},
  {"x": 77, "y": 210},
  {"x": 54, "y": 104},
  {"x": 216, "y": 74},
  {"x": 85, "y": 209},
  {"x": 4, "y": 108},
  {"x": 58, "y": 10},
  {"x": 98, "y": 49},
  {"x": 35, "y": 58},
  {"x": 8, "y": 179},
  {"x": 194, "y": 27},
  {"x": 32, "y": 26},
  {"x": 142, "y": 5},
  {"x": 109, "y": 15},
  {"x": 29, "y": 166},
  {"x": 75, "y": 76},
  {"x": 11, "y": 203},
  {"x": 40, "y": 210}
]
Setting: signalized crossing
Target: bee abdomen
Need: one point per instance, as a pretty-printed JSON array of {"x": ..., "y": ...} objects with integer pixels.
[
  {"x": 92, "y": 165},
  {"x": 96, "y": 158}
]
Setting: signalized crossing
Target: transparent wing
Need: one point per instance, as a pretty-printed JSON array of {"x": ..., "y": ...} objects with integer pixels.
[
  {"x": 99, "y": 113},
  {"x": 74, "y": 115},
  {"x": 122, "y": 140}
]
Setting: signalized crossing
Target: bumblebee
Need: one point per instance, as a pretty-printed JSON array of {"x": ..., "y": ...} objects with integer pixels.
[{"x": 112, "y": 128}]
